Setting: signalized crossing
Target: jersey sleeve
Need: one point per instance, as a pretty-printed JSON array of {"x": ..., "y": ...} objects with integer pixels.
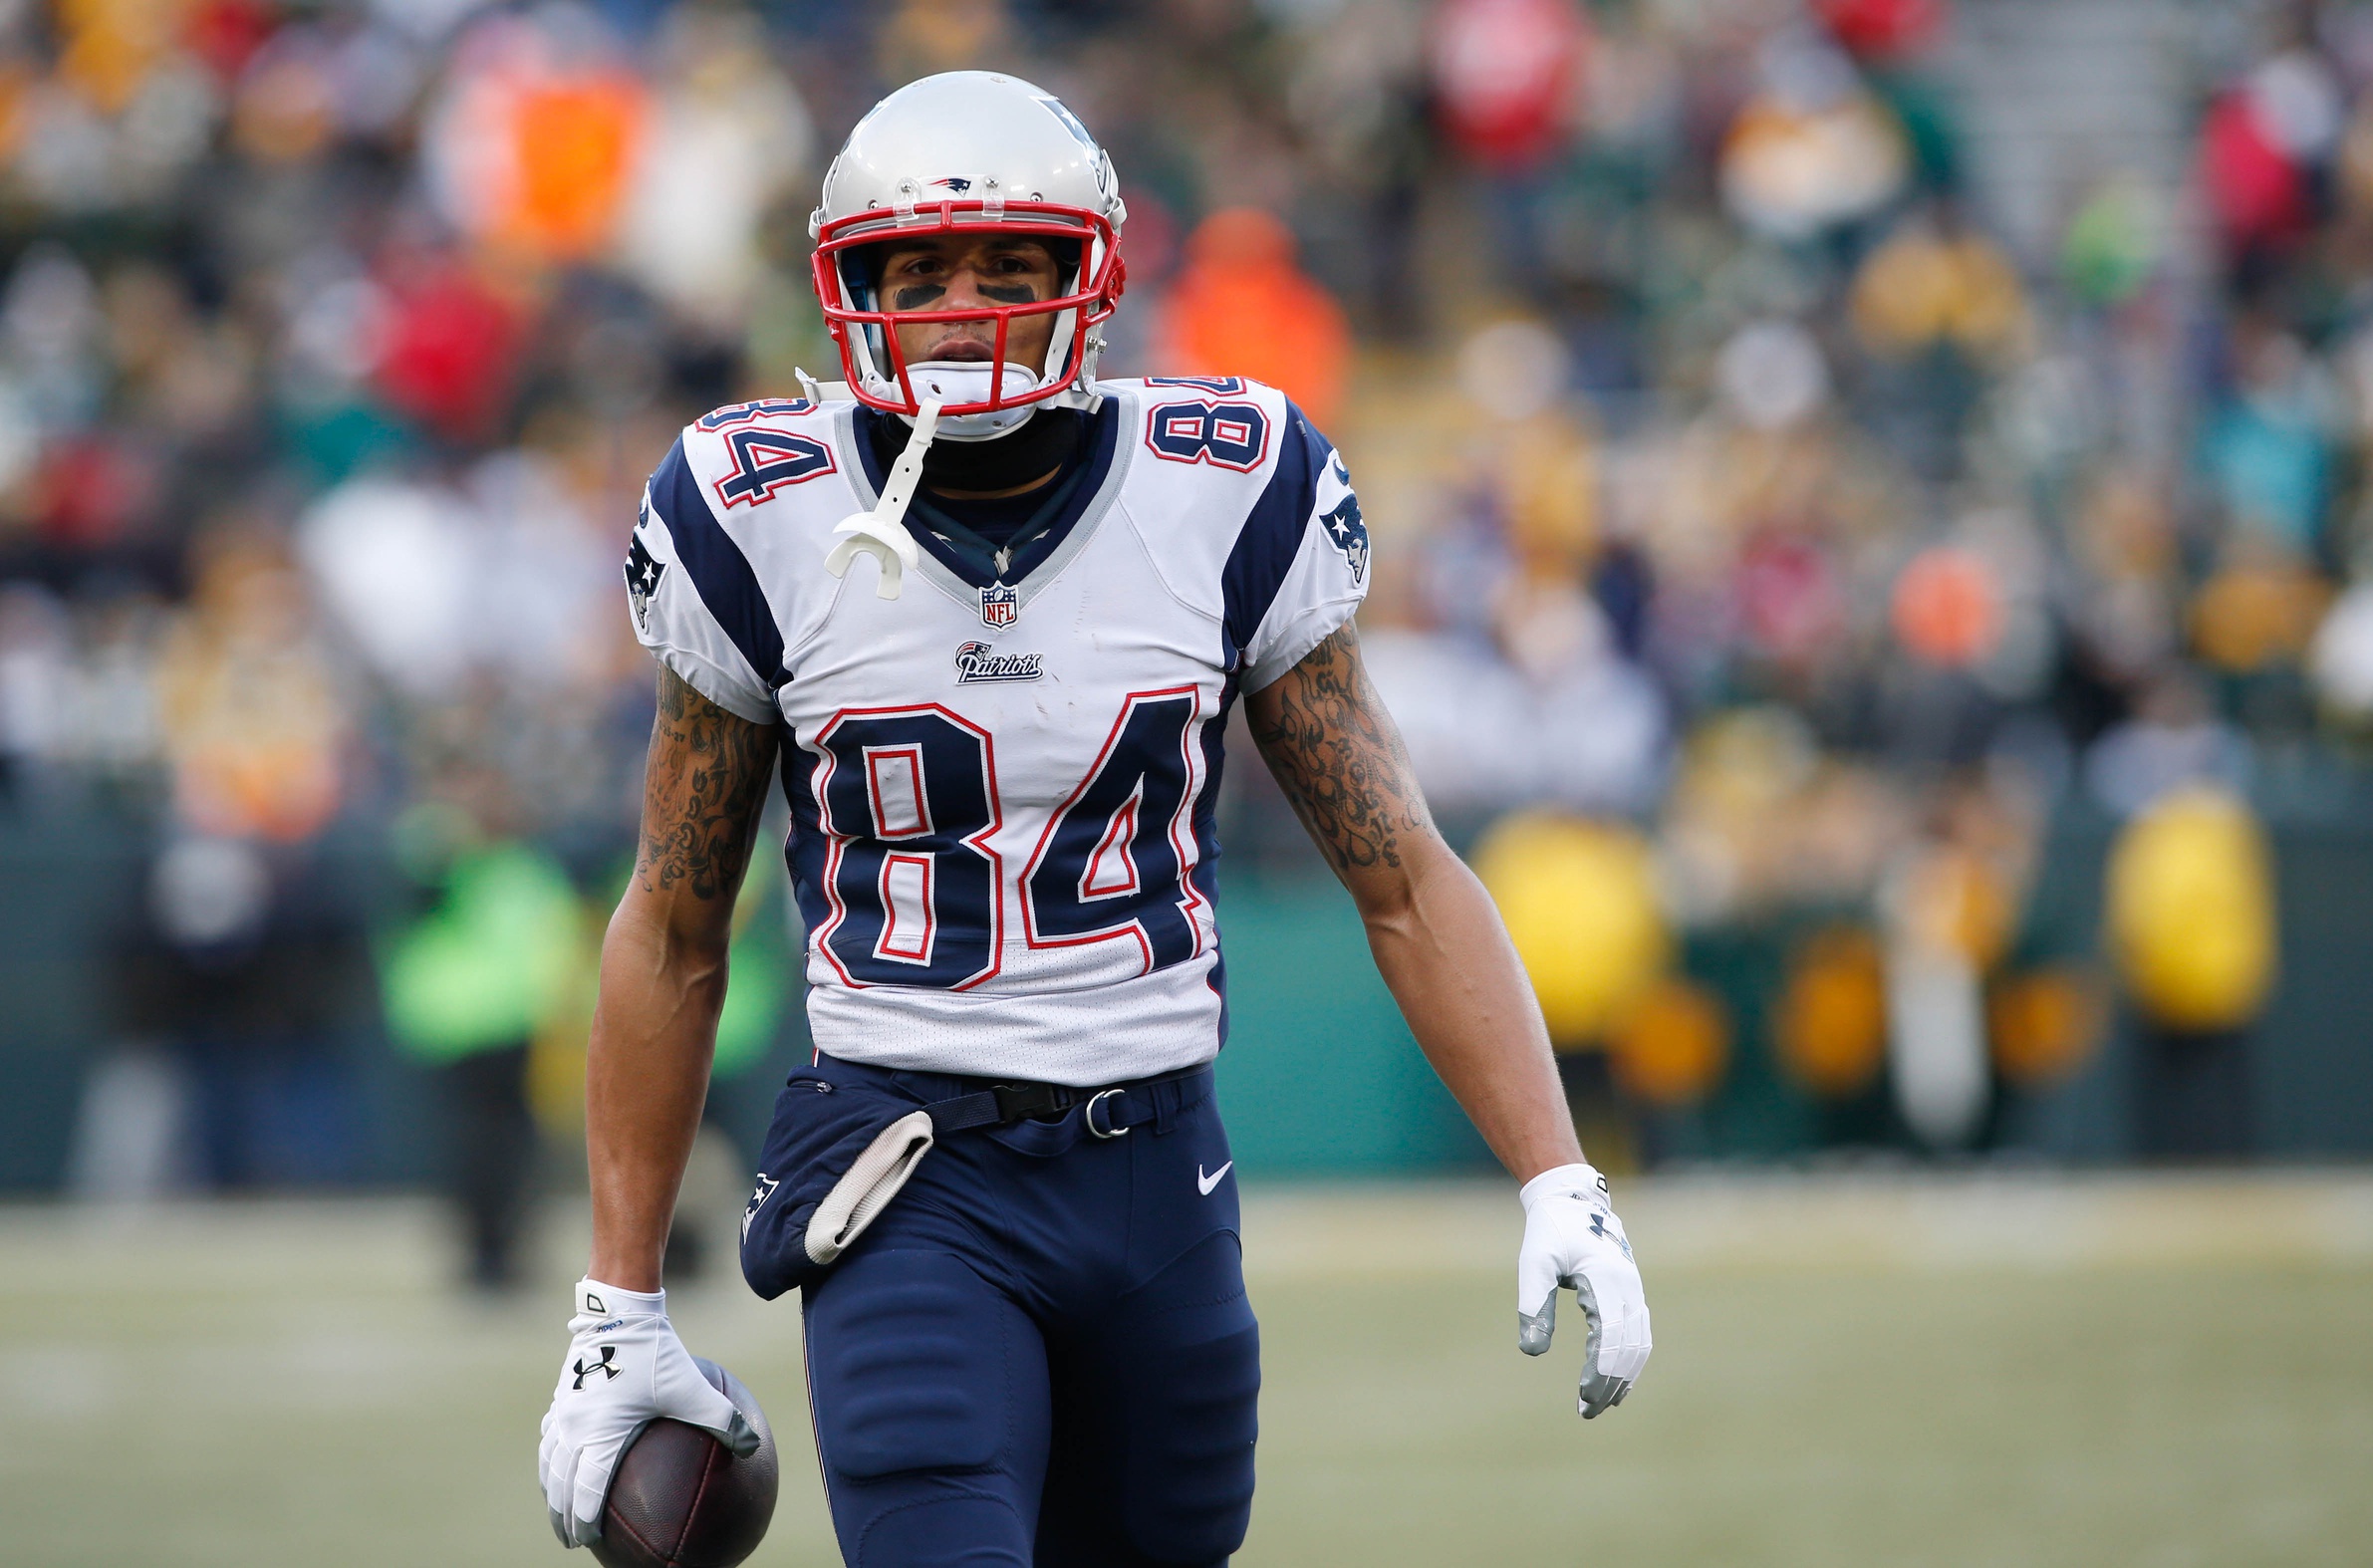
[
  {"x": 1300, "y": 567},
  {"x": 695, "y": 603}
]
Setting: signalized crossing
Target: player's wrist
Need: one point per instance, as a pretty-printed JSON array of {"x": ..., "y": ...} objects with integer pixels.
[
  {"x": 631, "y": 1266},
  {"x": 1580, "y": 1179},
  {"x": 597, "y": 1298}
]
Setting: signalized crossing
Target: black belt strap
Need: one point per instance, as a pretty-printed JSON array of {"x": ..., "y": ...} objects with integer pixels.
[{"x": 1111, "y": 1110}]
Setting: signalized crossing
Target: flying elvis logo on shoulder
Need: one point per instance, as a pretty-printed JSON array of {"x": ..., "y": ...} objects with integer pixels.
[
  {"x": 1350, "y": 534},
  {"x": 644, "y": 571},
  {"x": 977, "y": 662},
  {"x": 1344, "y": 525}
]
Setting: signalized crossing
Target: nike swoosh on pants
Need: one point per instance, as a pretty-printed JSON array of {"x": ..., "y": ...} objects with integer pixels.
[{"x": 1206, "y": 1183}]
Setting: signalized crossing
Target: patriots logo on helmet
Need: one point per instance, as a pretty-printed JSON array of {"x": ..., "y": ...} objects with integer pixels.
[
  {"x": 1350, "y": 534},
  {"x": 955, "y": 183}
]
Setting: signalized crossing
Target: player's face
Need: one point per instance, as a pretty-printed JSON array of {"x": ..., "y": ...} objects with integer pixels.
[{"x": 953, "y": 272}]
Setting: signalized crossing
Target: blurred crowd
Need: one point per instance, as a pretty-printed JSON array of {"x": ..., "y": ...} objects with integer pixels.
[{"x": 1761, "y": 536}]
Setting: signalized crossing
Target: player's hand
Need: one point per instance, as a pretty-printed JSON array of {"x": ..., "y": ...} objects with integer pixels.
[
  {"x": 625, "y": 1367},
  {"x": 1572, "y": 1237}
]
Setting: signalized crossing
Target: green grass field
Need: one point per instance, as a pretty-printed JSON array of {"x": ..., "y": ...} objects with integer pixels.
[{"x": 1848, "y": 1372}]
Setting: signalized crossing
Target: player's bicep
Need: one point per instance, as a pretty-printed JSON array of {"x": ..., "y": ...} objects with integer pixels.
[
  {"x": 1338, "y": 756},
  {"x": 703, "y": 783}
]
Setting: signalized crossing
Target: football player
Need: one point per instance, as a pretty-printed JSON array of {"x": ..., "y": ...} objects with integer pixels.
[{"x": 983, "y": 615}]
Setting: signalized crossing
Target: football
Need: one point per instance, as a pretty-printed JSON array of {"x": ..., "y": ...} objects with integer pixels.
[{"x": 680, "y": 1499}]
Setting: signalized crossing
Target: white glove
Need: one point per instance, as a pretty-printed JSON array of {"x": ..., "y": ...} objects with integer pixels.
[
  {"x": 625, "y": 1369},
  {"x": 1572, "y": 1237}
]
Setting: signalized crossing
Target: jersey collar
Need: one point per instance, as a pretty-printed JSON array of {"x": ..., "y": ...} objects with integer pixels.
[{"x": 1101, "y": 468}]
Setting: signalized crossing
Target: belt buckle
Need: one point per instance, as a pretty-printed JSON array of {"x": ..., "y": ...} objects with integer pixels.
[{"x": 1088, "y": 1115}]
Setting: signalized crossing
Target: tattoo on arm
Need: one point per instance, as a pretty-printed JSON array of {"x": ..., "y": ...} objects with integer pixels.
[
  {"x": 1339, "y": 758},
  {"x": 701, "y": 787}
]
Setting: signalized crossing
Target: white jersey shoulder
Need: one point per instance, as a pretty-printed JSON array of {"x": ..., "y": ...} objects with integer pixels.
[{"x": 1001, "y": 781}]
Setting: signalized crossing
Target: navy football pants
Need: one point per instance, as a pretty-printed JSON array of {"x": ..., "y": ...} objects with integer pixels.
[{"x": 1041, "y": 1353}]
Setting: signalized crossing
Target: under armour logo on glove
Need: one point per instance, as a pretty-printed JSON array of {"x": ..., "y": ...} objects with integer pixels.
[
  {"x": 593, "y": 1417},
  {"x": 602, "y": 1365}
]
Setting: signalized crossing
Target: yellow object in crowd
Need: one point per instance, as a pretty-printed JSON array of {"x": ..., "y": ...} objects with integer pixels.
[
  {"x": 2253, "y": 614},
  {"x": 2044, "y": 1024},
  {"x": 111, "y": 46},
  {"x": 1580, "y": 902},
  {"x": 1830, "y": 1026},
  {"x": 1670, "y": 1046},
  {"x": 1923, "y": 288},
  {"x": 254, "y": 726},
  {"x": 1954, "y": 900},
  {"x": 1549, "y": 483},
  {"x": 2191, "y": 910}
]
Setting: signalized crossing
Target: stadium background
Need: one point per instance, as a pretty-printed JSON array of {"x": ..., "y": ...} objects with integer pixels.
[{"x": 1870, "y": 524}]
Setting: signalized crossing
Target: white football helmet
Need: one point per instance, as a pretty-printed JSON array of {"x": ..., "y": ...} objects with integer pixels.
[{"x": 968, "y": 150}]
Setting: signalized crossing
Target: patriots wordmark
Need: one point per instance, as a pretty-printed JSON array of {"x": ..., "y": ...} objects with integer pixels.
[{"x": 977, "y": 661}]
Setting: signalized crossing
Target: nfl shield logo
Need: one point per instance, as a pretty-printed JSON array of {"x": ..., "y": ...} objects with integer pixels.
[{"x": 1000, "y": 604}]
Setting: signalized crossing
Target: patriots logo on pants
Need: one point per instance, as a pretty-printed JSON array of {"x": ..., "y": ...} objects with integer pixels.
[
  {"x": 765, "y": 1191},
  {"x": 1000, "y": 604}
]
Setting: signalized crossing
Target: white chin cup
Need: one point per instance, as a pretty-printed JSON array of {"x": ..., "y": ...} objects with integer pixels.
[{"x": 963, "y": 381}]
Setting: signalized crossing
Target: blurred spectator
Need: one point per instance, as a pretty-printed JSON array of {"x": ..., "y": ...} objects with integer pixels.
[
  {"x": 534, "y": 138},
  {"x": 2192, "y": 926},
  {"x": 246, "y": 960},
  {"x": 1240, "y": 307},
  {"x": 728, "y": 137},
  {"x": 467, "y": 986},
  {"x": 254, "y": 728},
  {"x": 1812, "y": 147},
  {"x": 1505, "y": 73}
]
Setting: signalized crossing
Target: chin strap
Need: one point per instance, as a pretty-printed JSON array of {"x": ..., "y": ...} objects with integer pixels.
[{"x": 882, "y": 532}]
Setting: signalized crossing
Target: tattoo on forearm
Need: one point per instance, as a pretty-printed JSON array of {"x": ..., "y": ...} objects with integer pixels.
[
  {"x": 702, "y": 786},
  {"x": 1339, "y": 758}
]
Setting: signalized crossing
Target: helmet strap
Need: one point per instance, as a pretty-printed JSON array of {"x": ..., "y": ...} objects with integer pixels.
[{"x": 882, "y": 532}]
